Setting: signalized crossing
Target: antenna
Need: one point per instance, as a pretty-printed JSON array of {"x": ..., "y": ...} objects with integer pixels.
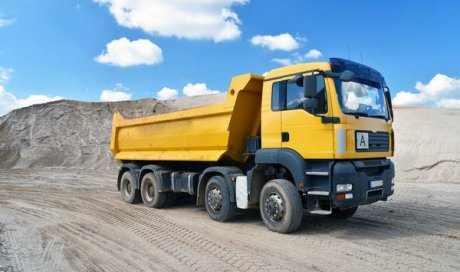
[
  {"x": 348, "y": 48},
  {"x": 362, "y": 61}
]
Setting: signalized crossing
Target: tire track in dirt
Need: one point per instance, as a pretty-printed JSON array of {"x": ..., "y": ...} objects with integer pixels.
[
  {"x": 183, "y": 244},
  {"x": 51, "y": 253},
  {"x": 83, "y": 225}
]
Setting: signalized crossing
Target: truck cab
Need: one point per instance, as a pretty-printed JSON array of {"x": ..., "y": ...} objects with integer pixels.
[{"x": 330, "y": 124}]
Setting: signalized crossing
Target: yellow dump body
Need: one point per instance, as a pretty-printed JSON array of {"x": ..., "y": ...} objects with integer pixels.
[{"x": 210, "y": 133}]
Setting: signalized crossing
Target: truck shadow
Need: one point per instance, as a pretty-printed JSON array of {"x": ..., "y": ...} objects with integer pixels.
[{"x": 377, "y": 221}]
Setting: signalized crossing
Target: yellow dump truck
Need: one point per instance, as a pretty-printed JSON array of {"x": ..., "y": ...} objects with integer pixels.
[{"x": 312, "y": 136}]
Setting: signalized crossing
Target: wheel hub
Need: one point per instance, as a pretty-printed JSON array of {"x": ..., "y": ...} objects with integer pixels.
[
  {"x": 215, "y": 199},
  {"x": 127, "y": 188},
  {"x": 150, "y": 192},
  {"x": 274, "y": 207}
]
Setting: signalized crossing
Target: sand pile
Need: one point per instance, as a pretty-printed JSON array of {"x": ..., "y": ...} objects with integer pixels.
[
  {"x": 71, "y": 133},
  {"x": 76, "y": 134},
  {"x": 427, "y": 144}
]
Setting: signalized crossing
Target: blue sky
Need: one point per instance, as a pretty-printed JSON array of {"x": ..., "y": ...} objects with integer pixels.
[{"x": 49, "y": 48}]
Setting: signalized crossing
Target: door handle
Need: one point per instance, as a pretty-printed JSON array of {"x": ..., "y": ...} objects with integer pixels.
[{"x": 285, "y": 136}]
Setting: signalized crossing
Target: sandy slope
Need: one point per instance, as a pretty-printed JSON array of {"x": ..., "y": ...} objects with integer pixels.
[
  {"x": 76, "y": 221},
  {"x": 71, "y": 133},
  {"x": 427, "y": 144}
]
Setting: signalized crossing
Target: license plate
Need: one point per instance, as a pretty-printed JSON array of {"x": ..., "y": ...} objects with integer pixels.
[{"x": 362, "y": 140}]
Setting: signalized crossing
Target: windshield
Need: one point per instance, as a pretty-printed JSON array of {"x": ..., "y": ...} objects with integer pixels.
[{"x": 362, "y": 98}]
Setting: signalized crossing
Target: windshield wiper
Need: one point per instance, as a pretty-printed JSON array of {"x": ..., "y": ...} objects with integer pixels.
[
  {"x": 378, "y": 116},
  {"x": 358, "y": 114},
  {"x": 363, "y": 114}
]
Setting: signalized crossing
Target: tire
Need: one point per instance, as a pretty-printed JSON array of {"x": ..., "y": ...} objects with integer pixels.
[
  {"x": 151, "y": 196},
  {"x": 217, "y": 200},
  {"x": 343, "y": 213},
  {"x": 128, "y": 190},
  {"x": 281, "y": 206}
]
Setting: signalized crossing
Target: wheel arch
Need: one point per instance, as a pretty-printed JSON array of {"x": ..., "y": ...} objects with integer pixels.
[
  {"x": 289, "y": 159},
  {"x": 228, "y": 172},
  {"x": 165, "y": 185},
  {"x": 131, "y": 167}
]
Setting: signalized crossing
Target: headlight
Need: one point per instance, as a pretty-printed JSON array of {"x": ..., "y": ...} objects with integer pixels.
[{"x": 344, "y": 187}]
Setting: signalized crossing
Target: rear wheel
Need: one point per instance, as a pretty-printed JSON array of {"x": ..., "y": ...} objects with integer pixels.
[
  {"x": 281, "y": 206},
  {"x": 129, "y": 194},
  {"x": 217, "y": 200},
  {"x": 151, "y": 195},
  {"x": 343, "y": 213}
]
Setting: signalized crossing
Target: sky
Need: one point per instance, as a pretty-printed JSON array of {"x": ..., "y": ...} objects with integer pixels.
[{"x": 109, "y": 50}]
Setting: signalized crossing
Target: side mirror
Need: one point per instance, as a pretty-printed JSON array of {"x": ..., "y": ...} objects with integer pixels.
[
  {"x": 298, "y": 80},
  {"x": 346, "y": 75},
  {"x": 310, "y": 86},
  {"x": 310, "y": 104}
]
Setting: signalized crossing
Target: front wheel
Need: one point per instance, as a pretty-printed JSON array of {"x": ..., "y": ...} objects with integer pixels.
[
  {"x": 343, "y": 213},
  {"x": 217, "y": 200},
  {"x": 281, "y": 206}
]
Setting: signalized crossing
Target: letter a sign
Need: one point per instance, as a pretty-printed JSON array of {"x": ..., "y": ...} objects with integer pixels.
[{"x": 362, "y": 140}]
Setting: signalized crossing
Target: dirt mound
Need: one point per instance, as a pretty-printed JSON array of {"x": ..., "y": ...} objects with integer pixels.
[
  {"x": 71, "y": 133},
  {"x": 76, "y": 134},
  {"x": 427, "y": 144}
]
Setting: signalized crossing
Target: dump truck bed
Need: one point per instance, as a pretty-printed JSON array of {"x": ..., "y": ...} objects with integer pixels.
[{"x": 210, "y": 133}]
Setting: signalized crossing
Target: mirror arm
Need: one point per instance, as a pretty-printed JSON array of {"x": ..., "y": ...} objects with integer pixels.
[{"x": 330, "y": 74}]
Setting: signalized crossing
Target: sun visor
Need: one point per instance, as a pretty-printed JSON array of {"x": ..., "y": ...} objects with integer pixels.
[{"x": 362, "y": 73}]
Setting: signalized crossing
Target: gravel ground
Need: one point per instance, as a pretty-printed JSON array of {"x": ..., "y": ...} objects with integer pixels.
[{"x": 74, "y": 220}]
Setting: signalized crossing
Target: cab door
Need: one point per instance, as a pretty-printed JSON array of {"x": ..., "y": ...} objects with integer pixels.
[
  {"x": 303, "y": 130},
  {"x": 271, "y": 115}
]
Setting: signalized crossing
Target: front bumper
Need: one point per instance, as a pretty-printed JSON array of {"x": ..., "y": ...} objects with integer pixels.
[{"x": 361, "y": 174}]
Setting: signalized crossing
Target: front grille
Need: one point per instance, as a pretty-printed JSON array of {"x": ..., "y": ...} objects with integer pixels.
[{"x": 378, "y": 142}]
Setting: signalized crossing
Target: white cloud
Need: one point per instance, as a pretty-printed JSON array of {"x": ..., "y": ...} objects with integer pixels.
[
  {"x": 449, "y": 103},
  {"x": 197, "y": 89},
  {"x": 9, "y": 102},
  {"x": 36, "y": 99},
  {"x": 5, "y": 74},
  {"x": 296, "y": 57},
  {"x": 119, "y": 93},
  {"x": 111, "y": 96},
  {"x": 196, "y": 20},
  {"x": 404, "y": 98},
  {"x": 167, "y": 93},
  {"x": 5, "y": 22},
  {"x": 314, "y": 54},
  {"x": 125, "y": 53},
  {"x": 284, "y": 62},
  {"x": 441, "y": 91},
  {"x": 284, "y": 42}
]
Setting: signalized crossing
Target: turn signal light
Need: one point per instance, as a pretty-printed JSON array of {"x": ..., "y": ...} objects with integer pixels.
[
  {"x": 344, "y": 196},
  {"x": 341, "y": 196}
]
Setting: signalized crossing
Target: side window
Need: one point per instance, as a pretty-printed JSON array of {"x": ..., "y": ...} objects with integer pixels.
[
  {"x": 321, "y": 91},
  {"x": 276, "y": 96},
  {"x": 294, "y": 96},
  {"x": 290, "y": 96}
]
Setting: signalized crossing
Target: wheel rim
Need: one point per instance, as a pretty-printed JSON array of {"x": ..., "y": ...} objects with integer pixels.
[
  {"x": 274, "y": 207},
  {"x": 149, "y": 192},
  {"x": 215, "y": 199},
  {"x": 127, "y": 188}
]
